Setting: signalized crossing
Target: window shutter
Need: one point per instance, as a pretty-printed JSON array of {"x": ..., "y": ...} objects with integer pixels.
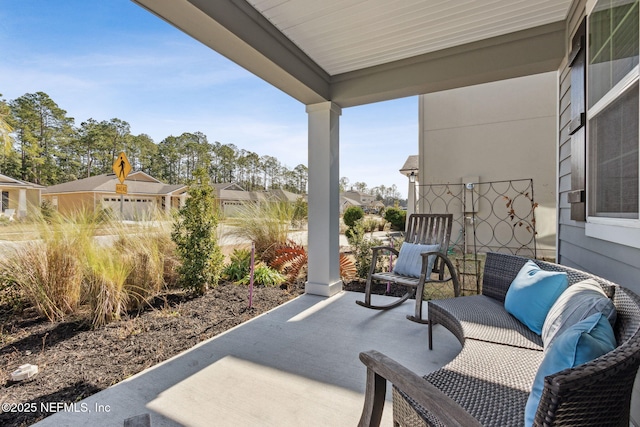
[{"x": 577, "y": 62}]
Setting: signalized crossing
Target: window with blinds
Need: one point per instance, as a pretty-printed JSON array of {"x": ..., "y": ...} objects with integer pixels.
[{"x": 613, "y": 98}]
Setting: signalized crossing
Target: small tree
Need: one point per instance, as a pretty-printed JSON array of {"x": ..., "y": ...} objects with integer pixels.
[
  {"x": 361, "y": 247},
  {"x": 194, "y": 233},
  {"x": 397, "y": 218},
  {"x": 351, "y": 215}
]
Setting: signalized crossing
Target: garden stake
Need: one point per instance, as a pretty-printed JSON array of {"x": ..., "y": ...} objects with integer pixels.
[
  {"x": 251, "y": 270},
  {"x": 390, "y": 268}
]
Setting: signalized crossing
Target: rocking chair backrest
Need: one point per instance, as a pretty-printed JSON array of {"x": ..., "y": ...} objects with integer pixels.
[{"x": 430, "y": 229}]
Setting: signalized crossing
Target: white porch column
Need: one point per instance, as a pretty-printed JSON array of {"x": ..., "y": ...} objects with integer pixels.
[
  {"x": 167, "y": 204},
  {"x": 22, "y": 203},
  {"x": 324, "y": 199},
  {"x": 411, "y": 201}
]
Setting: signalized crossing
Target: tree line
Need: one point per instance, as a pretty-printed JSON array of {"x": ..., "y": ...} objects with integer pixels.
[{"x": 41, "y": 144}]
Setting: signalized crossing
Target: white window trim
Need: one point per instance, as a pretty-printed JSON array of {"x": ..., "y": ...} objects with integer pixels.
[
  {"x": 615, "y": 92},
  {"x": 616, "y": 230},
  {"x": 623, "y": 232}
]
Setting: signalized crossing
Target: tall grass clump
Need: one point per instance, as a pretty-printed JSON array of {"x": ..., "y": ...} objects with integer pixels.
[
  {"x": 148, "y": 252},
  {"x": 106, "y": 272},
  {"x": 49, "y": 276},
  {"x": 267, "y": 224},
  {"x": 48, "y": 272}
]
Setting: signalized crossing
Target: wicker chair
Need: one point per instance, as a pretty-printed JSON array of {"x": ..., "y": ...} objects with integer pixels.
[
  {"x": 489, "y": 381},
  {"x": 426, "y": 229}
]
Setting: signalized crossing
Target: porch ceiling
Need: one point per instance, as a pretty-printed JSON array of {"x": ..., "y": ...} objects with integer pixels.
[{"x": 359, "y": 51}]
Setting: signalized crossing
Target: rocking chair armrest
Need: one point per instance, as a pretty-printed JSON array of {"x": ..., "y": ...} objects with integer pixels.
[
  {"x": 381, "y": 369},
  {"x": 376, "y": 249},
  {"x": 452, "y": 271}
]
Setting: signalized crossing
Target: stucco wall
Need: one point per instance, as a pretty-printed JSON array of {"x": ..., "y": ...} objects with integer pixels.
[{"x": 497, "y": 131}]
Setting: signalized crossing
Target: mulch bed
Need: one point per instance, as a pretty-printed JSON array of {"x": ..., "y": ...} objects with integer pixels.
[{"x": 75, "y": 361}]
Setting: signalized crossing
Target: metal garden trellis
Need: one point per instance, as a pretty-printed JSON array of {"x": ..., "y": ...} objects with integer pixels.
[{"x": 496, "y": 216}]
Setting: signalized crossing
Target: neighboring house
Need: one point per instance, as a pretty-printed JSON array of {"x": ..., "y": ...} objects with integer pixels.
[
  {"x": 366, "y": 201},
  {"x": 19, "y": 196},
  {"x": 285, "y": 196},
  {"x": 346, "y": 202},
  {"x": 363, "y": 198},
  {"x": 145, "y": 195},
  {"x": 232, "y": 197}
]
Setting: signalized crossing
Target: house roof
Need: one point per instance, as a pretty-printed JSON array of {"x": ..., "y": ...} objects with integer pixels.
[
  {"x": 227, "y": 186},
  {"x": 7, "y": 181},
  {"x": 137, "y": 183},
  {"x": 350, "y": 201},
  {"x": 285, "y": 195},
  {"x": 354, "y": 52},
  {"x": 410, "y": 165}
]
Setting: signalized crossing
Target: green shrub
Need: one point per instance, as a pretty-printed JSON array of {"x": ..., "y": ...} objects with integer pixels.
[
  {"x": 264, "y": 275},
  {"x": 351, "y": 215},
  {"x": 239, "y": 265},
  {"x": 370, "y": 224},
  {"x": 397, "y": 218},
  {"x": 194, "y": 233},
  {"x": 361, "y": 248}
]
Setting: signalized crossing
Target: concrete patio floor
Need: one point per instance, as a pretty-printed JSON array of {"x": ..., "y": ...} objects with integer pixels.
[{"x": 296, "y": 365}]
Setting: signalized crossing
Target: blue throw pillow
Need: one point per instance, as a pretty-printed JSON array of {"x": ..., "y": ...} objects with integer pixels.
[
  {"x": 576, "y": 303},
  {"x": 532, "y": 293},
  {"x": 409, "y": 262},
  {"x": 580, "y": 343}
]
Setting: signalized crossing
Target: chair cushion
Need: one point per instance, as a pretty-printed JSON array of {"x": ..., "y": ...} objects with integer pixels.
[
  {"x": 409, "y": 262},
  {"x": 576, "y": 303},
  {"x": 479, "y": 317},
  {"x": 580, "y": 343},
  {"x": 532, "y": 293}
]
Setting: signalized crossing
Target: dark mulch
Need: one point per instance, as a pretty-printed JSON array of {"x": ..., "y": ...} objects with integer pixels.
[{"x": 76, "y": 361}]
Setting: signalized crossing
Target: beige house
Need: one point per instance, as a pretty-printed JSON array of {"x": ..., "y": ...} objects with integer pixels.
[
  {"x": 232, "y": 197},
  {"x": 145, "y": 195},
  {"x": 18, "y": 197}
]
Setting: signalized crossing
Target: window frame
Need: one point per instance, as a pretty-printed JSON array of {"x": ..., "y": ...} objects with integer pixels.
[{"x": 625, "y": 231}]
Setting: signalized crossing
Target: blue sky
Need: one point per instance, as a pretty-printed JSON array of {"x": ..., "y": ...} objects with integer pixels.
[{"x": 106, "y": 59}]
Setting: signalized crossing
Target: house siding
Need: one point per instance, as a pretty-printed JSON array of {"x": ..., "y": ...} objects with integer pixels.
[
  {"x": 494, "y": 132},
  {"x": 615, "y": 262}
]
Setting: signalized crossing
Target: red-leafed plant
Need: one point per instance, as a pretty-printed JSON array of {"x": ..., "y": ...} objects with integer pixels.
[{"x": 291, "y": 260}]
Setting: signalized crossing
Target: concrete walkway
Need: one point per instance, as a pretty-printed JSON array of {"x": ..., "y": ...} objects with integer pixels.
[{"x": 296, "y": 365}]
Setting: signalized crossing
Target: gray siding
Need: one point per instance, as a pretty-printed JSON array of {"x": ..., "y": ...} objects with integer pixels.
[{"x": 616, "y": 262}]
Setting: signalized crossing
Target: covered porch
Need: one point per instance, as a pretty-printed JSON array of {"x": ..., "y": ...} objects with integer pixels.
[
  {"x": 333, "y": 55},
  {"x": 296, "y": 365}
]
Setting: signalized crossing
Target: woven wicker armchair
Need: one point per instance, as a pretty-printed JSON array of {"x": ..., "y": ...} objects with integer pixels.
[
  {"x": 489, "y": 381},
  {"x": 425, "y": 229}
]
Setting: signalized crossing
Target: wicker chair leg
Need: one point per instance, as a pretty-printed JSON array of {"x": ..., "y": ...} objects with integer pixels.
[{"x": 430, "y": 332}]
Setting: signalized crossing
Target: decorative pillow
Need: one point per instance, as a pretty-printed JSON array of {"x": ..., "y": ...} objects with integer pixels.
[
  {"x": 584, "y": 341},
  {"x": 532, "y": 293},
  {"x": 409, "y": 262},
  {"x": 577, "y": 303}
]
